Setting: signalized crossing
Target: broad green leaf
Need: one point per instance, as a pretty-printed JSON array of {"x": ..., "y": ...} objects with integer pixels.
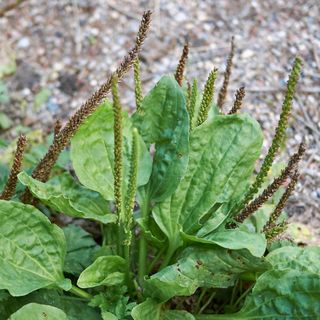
[
  {"x": 107, "y": 270},
  {"x": 74, "y": 308},
  {"x": 202, "y": 267},
  {"x": 64, "y": 195},
  {"x": 92, "y": 152},
  {"x": 81, "y": 249},
  {"x": 150, "y": 309},
  {"x": 280, "y": 295},
  {"x": 222, "y": 155},
  {"x": 235, "y": 239},
  {"x": 38, "y": 312},
  {"x": 296, "y": 258},
  {"x": 32, "y": 250},
  {"x": 163, "y": 120}
]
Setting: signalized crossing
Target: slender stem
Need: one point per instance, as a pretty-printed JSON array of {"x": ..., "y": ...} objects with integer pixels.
[
  {"x": 129, "y": 282},
  {"x": 203, "y": 292},
  {"x": 233, "y": 295},
  {"x": 80, "y": 293},
  {"x": 243, "y": 295},
  {"x": 142, "y": 268},
  {"x": 156, "y": 259},
  {"x": 208, "y": 302},
  {"x": 167, "y": 257}
]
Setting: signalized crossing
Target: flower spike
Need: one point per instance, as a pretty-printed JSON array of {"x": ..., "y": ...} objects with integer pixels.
[
  {"x": 273, "y": 187},
  {"x": 207, "y": 97},
  {"x": 182, "y": 64},
  {"x": 44, "y": 167},
  {"x": 280, "y": 131},
  {"x": 132, "y": 186},
  {"x": 227, "y": 74},
  {"x": 118, "y": 140},
  {"x": 11, "y": 184},
  {"x": 280, "y": 206},
  {"x": 238, "y": 102},
  {"x": 137, "y": 83}
]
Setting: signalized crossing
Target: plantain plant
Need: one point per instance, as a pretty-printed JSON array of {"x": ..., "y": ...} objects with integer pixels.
[{"x": 188, "y": 230}]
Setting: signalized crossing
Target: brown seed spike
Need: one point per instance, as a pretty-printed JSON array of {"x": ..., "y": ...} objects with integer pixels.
[
  {"x": 10, "y": 187},
  {"x": 182, "y": 64},
  {"x": 282, "y": 202},
  {"x": 238, "y": 102},
  {"x": 273, "y": 187},
  {"x": 57, "y": 128},
  {"x": 227, "y": 74},
  {"x": 44, "y": 167}
]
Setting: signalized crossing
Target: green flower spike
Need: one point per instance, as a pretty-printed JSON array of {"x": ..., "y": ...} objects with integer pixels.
[
  {"x": 280, "y": 131},
  {"x": 207, "y": 97},
  {"x": 137, "y": 83},
  {"x": 132, "y": 186},
  {"x": 118, "y": 139}
]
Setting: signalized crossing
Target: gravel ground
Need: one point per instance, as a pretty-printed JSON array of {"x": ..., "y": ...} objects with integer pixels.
[{"x": 66, "y": 49}]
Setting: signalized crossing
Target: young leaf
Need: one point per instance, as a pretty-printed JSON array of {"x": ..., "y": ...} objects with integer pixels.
[
  {"x": 217, "y": 173},
  {"x": 202, "y": 267},
  {"x": 39, "y": 312},
  {"x": 32, "y": 250},
  {"x": 92, "y": 152},
  {"x": 255, "y": 243},
  {"x": 80, "y": 249},
  {"x": 114, "y": 304},
  {"x": 163, "y": 119},
  {"x": 150, "y": 309},
  {"x": 64, "y": 195},
  {"x": 107, "y": 270}
]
